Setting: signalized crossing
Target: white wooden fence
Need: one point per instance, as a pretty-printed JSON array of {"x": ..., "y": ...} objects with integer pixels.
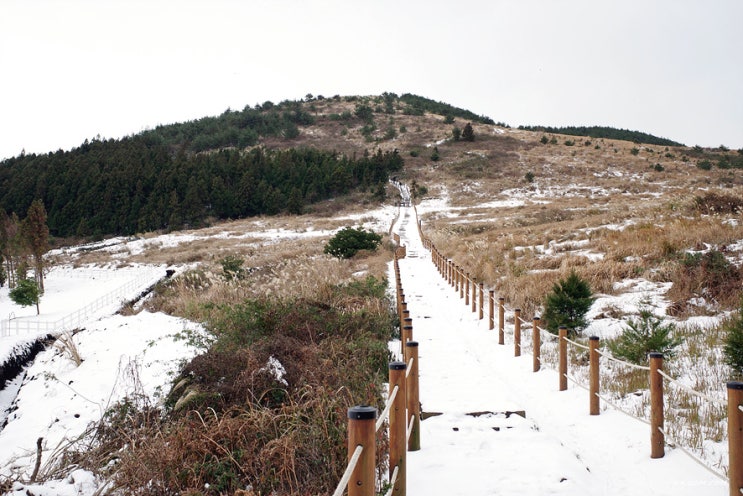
[{"x": 28, "y": 325}]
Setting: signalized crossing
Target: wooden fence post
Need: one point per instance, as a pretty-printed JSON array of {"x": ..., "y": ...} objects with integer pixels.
[
  {"x": 482, "y": 297},
  {"x": 404, "y": 315},
  {"x": 657, "y": 439},
  {"x": 536, "y": 345},
  {"x": 593, "y": 357},
  {"x": 563, "y": 357},
  {"x": 467, "y": 288},
  {"x": 461, "y": 283},
  {"x": 413, "y": 392},
  {"x": 407, "y": 335},
  {"x": 398, "y": 426},
  {"x": 362, "y": 431},
  {"x": 735, "y": 437},
  {"x": 474, "y": 296},
  {"x": 491, "y": 305},
  {"x": 501, "y": 321},
  {"x": 517, "y": 332}
]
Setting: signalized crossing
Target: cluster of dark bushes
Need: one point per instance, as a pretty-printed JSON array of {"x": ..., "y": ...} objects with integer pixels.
[{"x": 604, "y": 132}]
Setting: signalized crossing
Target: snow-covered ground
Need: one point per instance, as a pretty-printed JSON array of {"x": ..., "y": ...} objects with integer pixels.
[
  {"x": 57, "y": 399},
  {"x": 557, "y": 449}
]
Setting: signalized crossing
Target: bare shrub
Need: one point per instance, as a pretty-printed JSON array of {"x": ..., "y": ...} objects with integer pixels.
[
  {"x": 713, "y": 202},
  {"x": 66, "y": 345}
]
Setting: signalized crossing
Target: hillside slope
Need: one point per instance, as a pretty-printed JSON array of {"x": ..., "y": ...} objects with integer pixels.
[{"x": 286, "y": 157}]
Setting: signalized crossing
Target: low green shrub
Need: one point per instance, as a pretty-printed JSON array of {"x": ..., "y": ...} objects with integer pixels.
[
  {"x": 349, "y": 241},
  {"x": 567, "y": 304},
  {"x": 643, "y": 334}
]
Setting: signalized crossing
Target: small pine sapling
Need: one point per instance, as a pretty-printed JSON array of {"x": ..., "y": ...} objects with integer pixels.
[
  {"x": 644, "y": 334},
  {"x": 733, "y": 348},
  {"x": 567, "y": 304},
  {"x": 26, "y": 293}
]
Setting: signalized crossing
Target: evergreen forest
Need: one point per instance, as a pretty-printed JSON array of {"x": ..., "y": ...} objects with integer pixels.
[
  {"x": 136, "y": 185},
  {"x": 605, "y": 132}
]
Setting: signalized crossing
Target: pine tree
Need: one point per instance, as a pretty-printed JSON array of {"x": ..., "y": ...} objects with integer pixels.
[
  {"x": 468, "y": 134},
  {"x": 644, "y": 334},
  {"x": 36, "y": 232},
  {"x": 26, "y": 293},
  {"x": 734, "y": 342},
  {"x": 567, "y": 304},
  {"x": 15, "y": 248},
  {"x": 3, "y": 244},
  {"x": 295, "y": 203},
  {"x": 435, "y": 154}
]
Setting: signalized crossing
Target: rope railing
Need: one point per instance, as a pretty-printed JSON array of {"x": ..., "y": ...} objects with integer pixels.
[
  {"x": 621, "y": 410},
  {"x": 352, "y": 462},
  {"x": 578, "y": 345},
  {"x": 609, "y": 356},
  {"x": 409, "y": 430},
  {"x": 576, "y": 382},
  {"x": 691, "y": 455},
  {"x": 393, "y": 480},
  {"x": 545, "y": 333},
  {"x": 386, "y": 412},
  {"x": 689, "y": 390}
]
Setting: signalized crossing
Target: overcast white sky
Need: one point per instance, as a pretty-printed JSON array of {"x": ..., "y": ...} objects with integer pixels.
[{"x": 74, "y": 69}]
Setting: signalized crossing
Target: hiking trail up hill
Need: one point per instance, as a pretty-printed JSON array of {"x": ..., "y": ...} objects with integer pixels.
[{"x": 475, "y": 446}]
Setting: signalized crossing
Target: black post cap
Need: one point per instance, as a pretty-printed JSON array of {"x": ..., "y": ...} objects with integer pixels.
[
  {"x": 655, "y": 354},
  {"x": 411, "y": 343},
  {"x": 593, "y": 338},
  {"x": 397, "y": 365},
  {"x": 362, "y": 413},
  {"x": 735, "y": 385}
]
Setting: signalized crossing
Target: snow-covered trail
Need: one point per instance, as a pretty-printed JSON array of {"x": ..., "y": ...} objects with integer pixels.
[{"x": 557, "y": 449}]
